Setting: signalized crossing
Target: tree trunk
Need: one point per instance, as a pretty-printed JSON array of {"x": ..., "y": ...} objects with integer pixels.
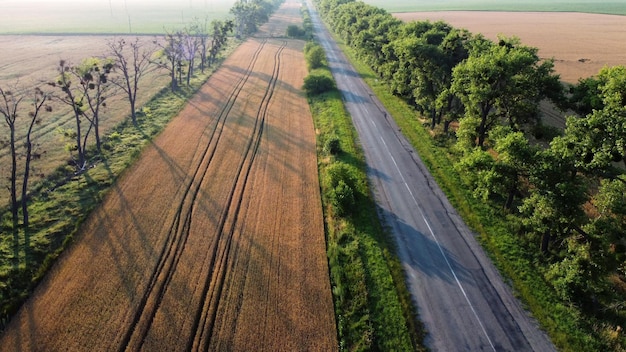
[
  {"x": 29, "y": 149},
  {"x": 545, "y": 242},
  {"x": 25, "y": 215},
  {"x": 482, "y": 128},
  {"x": 510, "y": 198},
  {"x": 96, "y": 129},
  {"x": 13, "y": 190},
  {"x": 174, "y": 86},
  {"x": 433, "y": 118}
]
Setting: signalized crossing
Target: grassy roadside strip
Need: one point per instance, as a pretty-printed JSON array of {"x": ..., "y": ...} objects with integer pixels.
[
  {"x": 564, "y": 324},
  {"x": 373, "y": 308},
  {"x": 60, "y": 204}
]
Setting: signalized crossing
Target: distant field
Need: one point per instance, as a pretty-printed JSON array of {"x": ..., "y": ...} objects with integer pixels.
[
  {"x": 580, "y": 43},
  {"x": 605, "y": 7},
  {"x": 105, "y": 17}
]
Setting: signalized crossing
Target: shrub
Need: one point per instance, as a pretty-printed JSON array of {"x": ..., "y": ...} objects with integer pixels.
[
  {"x": 293, "y": 31},
  {"x": 316, "y": 84},
  {"x": 342, "y": 199},
  {"x": 315, "y": 56},
  {"x": 332, "y": 145}
]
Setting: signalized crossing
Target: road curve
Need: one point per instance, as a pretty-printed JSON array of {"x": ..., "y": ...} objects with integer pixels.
[{"x": 462, "y": 299}]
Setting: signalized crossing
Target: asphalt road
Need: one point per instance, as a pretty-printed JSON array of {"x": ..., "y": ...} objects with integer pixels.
[{"x": 461, "y": 298}]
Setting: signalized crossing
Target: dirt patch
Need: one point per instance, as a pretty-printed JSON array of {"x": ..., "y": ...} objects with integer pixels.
[
  {"x": 581, "y": 44},
  {"x": 214, "y": 239}
]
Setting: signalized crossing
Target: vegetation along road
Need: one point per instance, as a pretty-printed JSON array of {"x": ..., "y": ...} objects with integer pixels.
[{"x": 461, "y": 298}]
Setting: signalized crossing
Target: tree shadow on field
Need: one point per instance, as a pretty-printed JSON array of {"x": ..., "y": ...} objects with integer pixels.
[{"x": 262, "y": 76}]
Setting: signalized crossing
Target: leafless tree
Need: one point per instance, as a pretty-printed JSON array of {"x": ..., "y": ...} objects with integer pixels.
[
  {"x": 85, "y": 89},
  {"x": 10, "y": 110},
  {"x": 202, "y": 33},
  {"x": 39, "y": 102},
  {"x": 133, "y": 60},
  {"x": 171, "y": 56},
  {"x": 191, "y": 45}
]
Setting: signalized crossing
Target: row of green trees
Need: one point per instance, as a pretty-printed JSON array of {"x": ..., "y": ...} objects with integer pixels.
[
  {"x": 249, "y": 14},
  {"x": 565, "y": 196}
]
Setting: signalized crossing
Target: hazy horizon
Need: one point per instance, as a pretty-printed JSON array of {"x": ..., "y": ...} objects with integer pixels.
[{"x": 105, "y": 16}]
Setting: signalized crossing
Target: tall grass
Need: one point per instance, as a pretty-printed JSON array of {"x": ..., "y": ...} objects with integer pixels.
[{"x": 373, "y": 308}]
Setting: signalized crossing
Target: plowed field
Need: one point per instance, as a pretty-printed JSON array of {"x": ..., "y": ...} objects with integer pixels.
[
  {"x": 580, "y": 43},
  {"x": 213, "y": 240}
]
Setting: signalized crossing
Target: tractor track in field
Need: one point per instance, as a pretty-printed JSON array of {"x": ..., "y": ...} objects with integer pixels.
[
  {"x": 178, "y": 233},
  {"x": 213, "y": 239},
  {"x": 205, "y": 317}
]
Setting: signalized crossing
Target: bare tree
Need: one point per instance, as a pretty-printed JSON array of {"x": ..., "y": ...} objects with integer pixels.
[
  {"x": 202, "y": 33},
  {"x": 171, "y": 56},
  {"x": 8, "y": 109},
  {"x": 86, "y": 89},
  {"x": 133, "y": 60},
  {"x": 39, "y": 102},
  {"x": 191, "y": 45}
]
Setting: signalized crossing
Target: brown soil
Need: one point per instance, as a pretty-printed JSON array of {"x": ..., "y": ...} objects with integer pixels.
[
  {"x": 581, "y": 44},
  {"x": 214, "y": 239}
]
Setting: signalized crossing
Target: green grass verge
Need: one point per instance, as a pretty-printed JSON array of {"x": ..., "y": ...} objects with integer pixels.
[
  {"x": 60, "y": 204},
  {"x": 568, "y": 330},
  {"x": 373, "y": 308}
]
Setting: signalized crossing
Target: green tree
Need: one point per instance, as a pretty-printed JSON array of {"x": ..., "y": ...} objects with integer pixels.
[
  {"x": 315, "y": 56},
  {"x": 502, "y": 82},
  {"x": 501, "y": 173},
  {"x": 221, "y": 30},
  {"x": 249, "y": 14},
  {"x": 371, "y": 41},
  {"x": 557, "y": 193},
  {"x": 585, "y": 96}
]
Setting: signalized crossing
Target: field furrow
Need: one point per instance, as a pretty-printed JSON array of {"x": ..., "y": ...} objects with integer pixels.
[{"x": 213, "y": 240}]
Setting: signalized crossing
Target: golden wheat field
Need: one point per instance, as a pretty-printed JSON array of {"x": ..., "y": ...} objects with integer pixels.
[{"x": 214, "y": 239}]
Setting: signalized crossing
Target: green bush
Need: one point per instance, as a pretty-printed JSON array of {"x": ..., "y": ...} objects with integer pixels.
[
  {"x": 332, "y": 145},
  {"x": 293, "y": 31},
  {"x": 315, "y": 57},
  {"x": 342, "y": 199},
  {"x": 315, "y": 84}
]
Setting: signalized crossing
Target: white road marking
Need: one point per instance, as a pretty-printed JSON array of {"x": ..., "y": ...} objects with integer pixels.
[{"x": 432, "y": 233}]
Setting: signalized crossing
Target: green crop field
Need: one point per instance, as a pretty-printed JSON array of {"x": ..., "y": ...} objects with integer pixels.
[
  {"x": 105, "y": 16},
  {"x": 605, "y": 7}
]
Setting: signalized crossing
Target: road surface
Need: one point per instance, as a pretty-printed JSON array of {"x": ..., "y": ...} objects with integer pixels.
[{"x": 461, "y": 298}]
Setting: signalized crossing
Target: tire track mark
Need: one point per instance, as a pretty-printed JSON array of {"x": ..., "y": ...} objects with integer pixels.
[
  {"x": 177, "y": 234},
  {"x": 221, "y": 260}
]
